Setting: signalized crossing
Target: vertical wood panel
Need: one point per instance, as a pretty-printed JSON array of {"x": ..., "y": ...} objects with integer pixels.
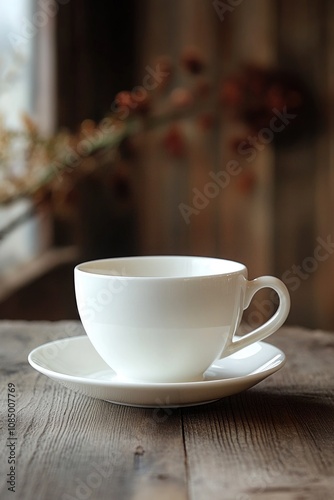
[
  {"x": 299, "y": 168},
  {"x": 155, "y": 38},
  {"x": 199, "y": 29},
  {"x": 324, "y": 278},
  {"x": 246, "y": 218},
  {"x": 166, "y": 182}
]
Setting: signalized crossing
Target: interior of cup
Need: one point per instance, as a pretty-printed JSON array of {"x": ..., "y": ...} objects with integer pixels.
[{"x": 161, "y": 267}]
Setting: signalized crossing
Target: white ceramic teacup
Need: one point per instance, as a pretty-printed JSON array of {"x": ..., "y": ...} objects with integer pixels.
[{"x": 168, "y": 318}]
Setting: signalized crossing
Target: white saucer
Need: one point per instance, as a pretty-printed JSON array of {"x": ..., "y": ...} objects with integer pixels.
[{"x": 75, "y": 363}]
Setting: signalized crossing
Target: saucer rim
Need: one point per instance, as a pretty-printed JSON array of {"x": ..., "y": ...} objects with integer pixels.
[{"x": 59, "y": 376}]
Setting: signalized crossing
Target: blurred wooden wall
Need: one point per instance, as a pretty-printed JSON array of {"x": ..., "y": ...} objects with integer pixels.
[
  {"x": 304, "y": 213},
  {"x": 272, "y": 218}
]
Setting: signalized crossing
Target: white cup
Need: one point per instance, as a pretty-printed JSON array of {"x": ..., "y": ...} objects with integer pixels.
[{"x": 168, "y": 318}]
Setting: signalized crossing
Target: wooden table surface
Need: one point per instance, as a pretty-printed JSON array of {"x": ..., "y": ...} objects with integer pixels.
[{"x": 273, "y": 441}]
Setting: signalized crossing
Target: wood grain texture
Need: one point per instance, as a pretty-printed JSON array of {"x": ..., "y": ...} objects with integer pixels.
[{"x": 274, "y": 441}]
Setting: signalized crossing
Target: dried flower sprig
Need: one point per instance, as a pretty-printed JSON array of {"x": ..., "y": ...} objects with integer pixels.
[{"x": 30, "y": 162}]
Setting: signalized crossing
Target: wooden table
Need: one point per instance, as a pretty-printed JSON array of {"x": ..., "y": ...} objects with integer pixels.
[{"x": 274, "y": 441}]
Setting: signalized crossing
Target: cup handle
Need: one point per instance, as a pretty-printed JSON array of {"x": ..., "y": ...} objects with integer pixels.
[{"x": 270, "y": 326}]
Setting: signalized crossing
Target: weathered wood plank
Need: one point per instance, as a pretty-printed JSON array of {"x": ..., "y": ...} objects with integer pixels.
[
  {"x": 70, "y": 446},
  {"x": 273, "y": 441}
]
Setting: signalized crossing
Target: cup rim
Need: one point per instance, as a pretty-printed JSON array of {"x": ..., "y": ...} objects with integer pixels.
[{"x": 241, "y": 268}]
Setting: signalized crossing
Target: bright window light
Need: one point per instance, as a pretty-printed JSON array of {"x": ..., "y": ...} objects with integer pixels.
[{"x": 16, "y": 61}]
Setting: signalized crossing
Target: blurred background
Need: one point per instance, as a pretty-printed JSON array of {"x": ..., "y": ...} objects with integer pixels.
[{"x": 200, "y": 127}]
